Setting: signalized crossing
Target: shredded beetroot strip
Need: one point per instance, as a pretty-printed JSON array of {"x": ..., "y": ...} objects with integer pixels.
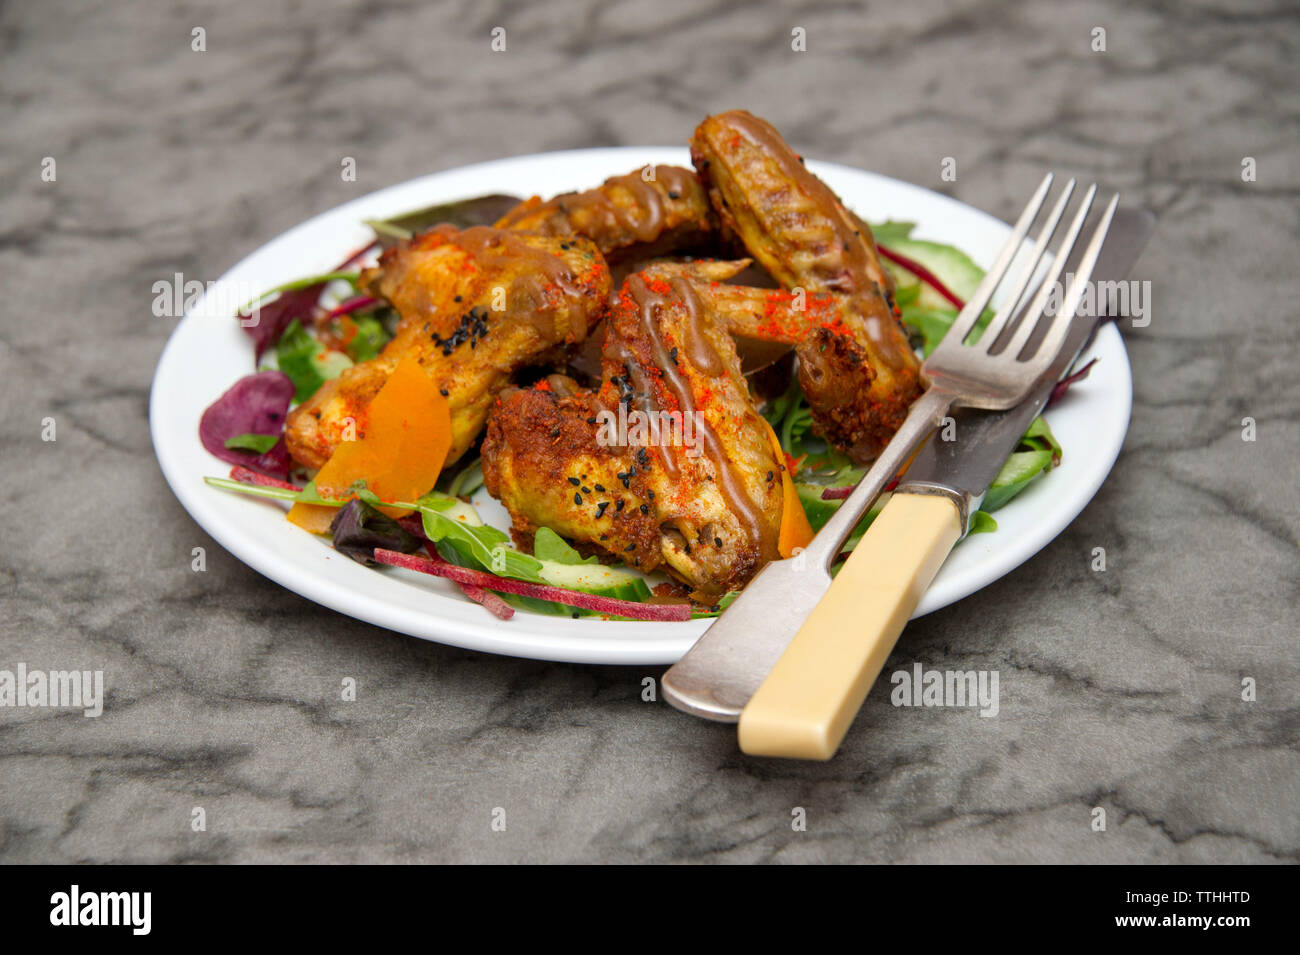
[
  {"x": 352, "y": 305},
  {"x": 485, "y": 598},
  {"x": 841, "y": 493},
  {"x": 488, "y": 600},
  {"x": 922, "y": 273},
  {"x": 246, "y": 476},
  {"x": 478, "y": 578}
]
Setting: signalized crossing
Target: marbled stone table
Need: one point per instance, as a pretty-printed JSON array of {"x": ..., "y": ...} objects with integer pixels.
[{"x": 1120, "y": 690}]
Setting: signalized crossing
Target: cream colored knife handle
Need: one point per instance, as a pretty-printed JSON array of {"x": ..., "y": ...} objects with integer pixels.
[{"x": 805, "y": 706}]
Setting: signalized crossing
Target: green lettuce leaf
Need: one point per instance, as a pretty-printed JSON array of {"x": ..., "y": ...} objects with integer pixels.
[
  {"x": 257, "y": 443},
  {"x": 307, "y": 362}
]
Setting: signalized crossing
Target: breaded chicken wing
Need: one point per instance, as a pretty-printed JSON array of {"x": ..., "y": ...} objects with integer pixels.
[
  {"x": 627, "y": 216},
  {"x": 476, "y": 306},
  {"x": 702, "y": 502},
  {"x": 858, "y": 372}
]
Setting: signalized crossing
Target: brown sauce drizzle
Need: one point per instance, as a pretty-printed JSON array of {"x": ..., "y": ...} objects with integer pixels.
[
  {"x": 492, "y": 248},
  {"x": 729, "y": 482},
  {"x": 857, "y": 262}
]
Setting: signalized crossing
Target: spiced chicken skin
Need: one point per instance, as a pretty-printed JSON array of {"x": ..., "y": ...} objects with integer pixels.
[
  {"x": 476, "y": 306},
  {"x": 703, "y": 503},
  {"x": 858, "y": 372}
]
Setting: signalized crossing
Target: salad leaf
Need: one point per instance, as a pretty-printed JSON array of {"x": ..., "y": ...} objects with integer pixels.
[
  {"x": 257, "y": 443},
  {"x": 1040, "y": 437},
  {"x": 481, "y": 210},
  {"x": 725, "y": 601},
  {"x": 307, "y": 362},
  {"x": 548, "y": 545},
  {"x": 358, "y": 528},
  {"x": 457, "y": 525},
  {"x": 891, "y": 231},
  {"x": 467, "y": 480},
  {"x": 267, "y": 326},
  {"x": 256, "y": 404},
  {"x": 369, "y": 340},
  {"x": 931, "y": 323},
  {"x": 1021, "y": 468},
  {"x": 266, "y": 321}
]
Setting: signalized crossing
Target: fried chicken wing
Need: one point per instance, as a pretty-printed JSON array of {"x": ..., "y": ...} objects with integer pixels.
[
  {"x": 627, "y": 216},
  {"x": 476, "y": 306},
  {"x": 698, "y": 493},
  {"x": 858, "y": 372}
]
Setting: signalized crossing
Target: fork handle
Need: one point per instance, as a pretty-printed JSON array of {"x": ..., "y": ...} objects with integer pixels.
[{"x": 804, "y": 707}]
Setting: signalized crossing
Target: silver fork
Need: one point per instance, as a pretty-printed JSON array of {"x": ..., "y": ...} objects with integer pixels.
[{"x": 718, "y": 676}]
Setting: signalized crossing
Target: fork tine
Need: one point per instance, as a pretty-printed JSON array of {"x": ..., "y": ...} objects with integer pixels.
[
  {"x": 990, "y": 335},
  {"x": 1034, "y": 313},
  {"x": 976, "y": 304},
  {"x": 1055, "y": 336}
]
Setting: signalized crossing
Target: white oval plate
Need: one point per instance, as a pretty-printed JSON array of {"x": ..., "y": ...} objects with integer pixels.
[{"x": 208, "y": 352}]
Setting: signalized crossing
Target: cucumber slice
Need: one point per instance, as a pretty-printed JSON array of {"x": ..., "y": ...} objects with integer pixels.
[
  {"x": 596, "y": 579},
  {"x": 951, "y": 266}
]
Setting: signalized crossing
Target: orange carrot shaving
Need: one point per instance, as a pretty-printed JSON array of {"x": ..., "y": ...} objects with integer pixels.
[
  {"x": 796, "y": 532},
  {"x": 400, "y": 454}
]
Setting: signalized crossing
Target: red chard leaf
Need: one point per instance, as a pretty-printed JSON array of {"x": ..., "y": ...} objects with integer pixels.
[{"x": 256, "y": 404}]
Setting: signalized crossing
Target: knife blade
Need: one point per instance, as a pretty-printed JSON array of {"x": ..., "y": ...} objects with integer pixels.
[{"x": 715, "y": 679}]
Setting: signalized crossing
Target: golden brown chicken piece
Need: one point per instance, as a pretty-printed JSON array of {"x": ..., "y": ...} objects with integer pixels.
[
  {"x": 699, "y": 494},
  {"x": 627, "y": 216},
  {"x": 476, "y": 306},
  {"x": 858, "y": 372}
]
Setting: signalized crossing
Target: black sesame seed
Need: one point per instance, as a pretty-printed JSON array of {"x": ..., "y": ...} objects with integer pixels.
[
  {"x": 586, "y": 490},
  {"x": 600, "y": 488},
  {"x": 456, "y": 299},
  {"x": 618, "y": 505},
  {"x": 652, "y": 494},
  {"x": 645, "y": 509},
  {"x": 629, "y": 547},
  {"x": 717, "y": 542},
  {"x": 770, "y": 475},
  {"x": 600, "y": 509},
  {"x": 577, "y": 499},
  {"x": 444, "y": 392},
  {"x": 574, "y": 481}
]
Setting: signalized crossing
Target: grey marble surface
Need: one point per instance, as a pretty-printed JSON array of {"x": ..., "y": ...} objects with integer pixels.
[{"x": 1120, "y": 690}]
